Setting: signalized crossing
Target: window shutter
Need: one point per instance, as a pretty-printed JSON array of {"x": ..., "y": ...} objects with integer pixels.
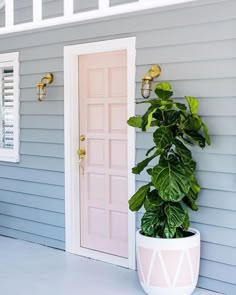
[{"x": 7, "y": 109}]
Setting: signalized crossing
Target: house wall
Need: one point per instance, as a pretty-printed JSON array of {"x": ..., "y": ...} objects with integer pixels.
[{"x": 196, "y": 49}]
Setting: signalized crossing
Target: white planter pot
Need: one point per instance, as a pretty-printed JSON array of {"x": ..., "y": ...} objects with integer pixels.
[{"x": 168, "y": 266}]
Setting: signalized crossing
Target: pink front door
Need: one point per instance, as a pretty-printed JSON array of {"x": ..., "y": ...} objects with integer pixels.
[{"x": 103, "y": 179}]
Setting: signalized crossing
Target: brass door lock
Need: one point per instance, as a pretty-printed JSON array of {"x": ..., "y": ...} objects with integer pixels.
[{"x": 82, "y": 153}]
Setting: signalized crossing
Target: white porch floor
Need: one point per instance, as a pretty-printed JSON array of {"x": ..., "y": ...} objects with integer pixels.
[{"x": 27, "y": 269}]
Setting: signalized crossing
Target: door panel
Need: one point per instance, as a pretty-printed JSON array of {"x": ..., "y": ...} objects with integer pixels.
[{"x": 103, "y": 178}]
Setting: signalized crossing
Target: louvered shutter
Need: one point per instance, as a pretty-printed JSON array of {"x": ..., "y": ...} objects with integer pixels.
[{"x": 7, "y": 109}]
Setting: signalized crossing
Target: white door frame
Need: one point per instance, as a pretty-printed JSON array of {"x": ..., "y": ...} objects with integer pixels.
[{"x": 71, "y": 125}]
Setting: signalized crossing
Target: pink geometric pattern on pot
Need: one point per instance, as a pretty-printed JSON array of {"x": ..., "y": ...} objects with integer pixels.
[
  {"x": 145, "y": 256},
  {"x": 194, "y": 256},
  {"x": 184, "y": 277},
  {"x": 158, "y": 278},
  {"x": 171, "y": 259}
]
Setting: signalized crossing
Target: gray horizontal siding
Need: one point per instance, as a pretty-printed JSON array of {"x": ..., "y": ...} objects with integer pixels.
[
  {"x": 43, "y": 122},
  {"x": 34, "y": 188},
  {"x": 23, "y": 11},
  {"x": 42, "y": 149},
  {"x": 198, "y": 55},
  {"x": 48, "y": 108},
  {"x": 38, "y": 216},
  {"x": 32, "y": 175},
  {"x": 218, "y": 271},
  {"x": 39, "y": 162},
  {"x": 52, "y": 8},
  {"x": 210, "y": 251},
  {"x": 21, "y": 234},
  {"x": 33, "y": 201},
  {"x": 42, "y": 135},
  {"x": 218, "y": 286},
  {"x": 30, "y": 227}
]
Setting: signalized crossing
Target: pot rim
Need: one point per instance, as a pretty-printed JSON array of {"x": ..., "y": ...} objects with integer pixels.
[{"x": 191, "y": 230}]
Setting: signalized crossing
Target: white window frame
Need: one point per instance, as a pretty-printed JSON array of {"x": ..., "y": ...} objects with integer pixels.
[
  {"x": 104, "y": 10},
  {"x": 12, "y": 60}
]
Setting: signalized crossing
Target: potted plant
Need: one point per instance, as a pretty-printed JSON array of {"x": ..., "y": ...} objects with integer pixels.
[{"x": 168, "y": 250}]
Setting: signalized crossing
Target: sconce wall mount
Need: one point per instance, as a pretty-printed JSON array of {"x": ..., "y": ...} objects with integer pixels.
[
  {"x": 146, "y": 89},
  {"x": 41, "y": 86}
]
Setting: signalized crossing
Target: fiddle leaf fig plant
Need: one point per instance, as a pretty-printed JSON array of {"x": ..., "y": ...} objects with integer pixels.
[{"x": 173, "y": 186}]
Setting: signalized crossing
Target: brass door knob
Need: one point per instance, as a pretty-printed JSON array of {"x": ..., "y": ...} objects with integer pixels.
[{"x": 82, "y": 137}]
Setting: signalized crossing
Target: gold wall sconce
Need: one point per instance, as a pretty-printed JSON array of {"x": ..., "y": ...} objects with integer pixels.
[
  {"x": 146, "y": 89},
  {"x": 42, "y": 85}
]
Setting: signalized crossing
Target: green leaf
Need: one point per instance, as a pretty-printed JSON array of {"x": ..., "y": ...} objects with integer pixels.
[
  {"x": 149, "y": 171},
  {"x": 150, "y": 150},
  {"x": 135, "y": 122},
  {"x": 147, "y": 118},
  {"x": 206, "y": 133},
  {"x": 190, "y": 202},
  {"x": 149, "y": 223},
  {"x": 183, "y": 151},
  {"x": 169, "y": 232},
  {"x": 180, "y": 106},
  {"x": 179, "y": 233},
  {"x": 193, "y": 104},
  {"x": 172, "y": 117},
  {"x": 191, "y": 197},
  {"x": 156, "y": 102},
  {"x": 162, "y": 137},
  {"x": 166, "y": 104},
  {"x": 155, "y": 123},
  {"x": 171, "y": 181},
  {"x": 186, "y": 223},
  {"x": 137, "y": 200},
  {"x": 195, "y": 137},
  {"x": 186, "y": 140},
  {"x": 186, "y": 156},
  {"x": 140, "y": 166},
  {"x": 158, "y": 115},
  {"x": 175, "y": 215},
  {"x": 193, "y": 122},
  {"x": 195, "y": 186},
  {"x": 163, "y": 90},
  {"x": 153, "y": 201}
]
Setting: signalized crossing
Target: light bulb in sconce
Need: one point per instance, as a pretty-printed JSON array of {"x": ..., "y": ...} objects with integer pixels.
[
  {"x": 146, "y": 86},
  {"x": 41, "y": 86},
  {"x": 146, "y": 89},
  {"x": 41, "y": 91}
]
